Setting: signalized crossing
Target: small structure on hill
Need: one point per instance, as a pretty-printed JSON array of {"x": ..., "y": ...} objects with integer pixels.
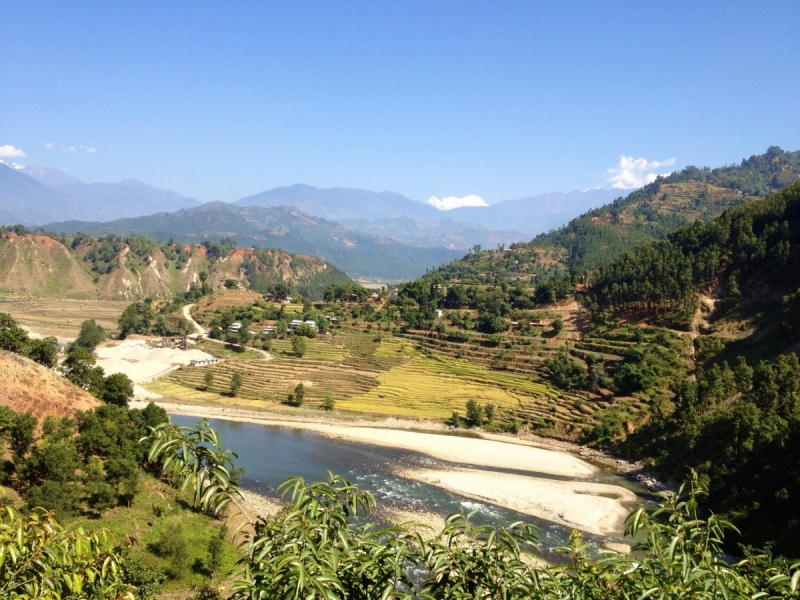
[{"x": 204, "y": 361}]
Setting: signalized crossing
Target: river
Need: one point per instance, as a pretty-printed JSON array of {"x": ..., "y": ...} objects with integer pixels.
[{"x": 270, "y": 454}]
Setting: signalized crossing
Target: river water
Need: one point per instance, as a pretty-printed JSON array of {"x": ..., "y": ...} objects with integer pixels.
[{"x": 271, "y": 454}]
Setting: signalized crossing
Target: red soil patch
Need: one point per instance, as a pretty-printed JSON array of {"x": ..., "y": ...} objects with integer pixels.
[
  {"x": 240, "y": 252},
  {"x": 43, "y": 239},
  {"x": 30, "y": 387}
]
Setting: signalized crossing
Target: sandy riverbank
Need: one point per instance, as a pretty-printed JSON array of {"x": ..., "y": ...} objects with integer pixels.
[
  {"x": 580, "y": 502},
  {"x": 458, "y": 450}
]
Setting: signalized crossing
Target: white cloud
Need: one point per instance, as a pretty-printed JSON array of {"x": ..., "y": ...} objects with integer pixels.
[
  {"x": 9, "y": 151},
  {"x": 91, "y": 150},
  {"x": 70, "y": 149},
  {"x": 635, "y": 172},
  {"x": 49, "y": 145},
  {"x": 452, "y": 202}
]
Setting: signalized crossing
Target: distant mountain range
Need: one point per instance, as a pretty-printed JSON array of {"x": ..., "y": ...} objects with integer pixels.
[
  {"x": 445, "y": 233},
  {"x": 528, "y": 216},
  {"x": 281, "y": 227},
  {"x": 36, "y": 195},
  {"x": 376, "y": 234}
]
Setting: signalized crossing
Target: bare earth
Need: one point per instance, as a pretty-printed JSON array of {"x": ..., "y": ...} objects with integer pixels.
[{"x": 584, "y": 504}]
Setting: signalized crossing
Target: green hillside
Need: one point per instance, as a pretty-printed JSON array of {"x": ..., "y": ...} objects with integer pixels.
[
  {"x": 646, "y": 215},
  {"x": 681, "y": 353},
  {"x": 734, "y": 414}
]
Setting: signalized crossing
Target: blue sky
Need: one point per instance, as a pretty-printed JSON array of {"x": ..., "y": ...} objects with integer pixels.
[{"x": 499, "y": 99}]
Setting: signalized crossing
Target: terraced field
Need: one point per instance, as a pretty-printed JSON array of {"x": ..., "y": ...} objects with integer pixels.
[
  {"x": 321, "y": 348},
  {"x": 268, "y": 382},
  {"x": 385, "y": 375}
]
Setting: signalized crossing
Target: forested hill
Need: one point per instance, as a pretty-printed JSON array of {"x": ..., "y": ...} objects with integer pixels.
[
  {"x": 735, "y": 416},
  {"x": 750, "y": 251},
  {"x": 649, "y": 214}
]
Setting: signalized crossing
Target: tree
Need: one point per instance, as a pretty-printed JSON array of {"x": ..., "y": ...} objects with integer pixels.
[
  {"x": 558, "y": 326},
  {"x": 79, "y": 368},
  {"x": 44, "y": 351},
  {"x": 91, "y": 335},
  {"x": 236, "y": 383},
  {"x": 564, "y": 371},
  {"x": 456, "y": 297},
  {"x": 306, "y": 331},
  {"x": 489, "y": 410},
  {"x": 791, "y": 315},
  {"x": 299, "y": 345},
  {"x": 492, "y": 323},
  {"x": 136, "y": 318},
  {"x": 231, "y": 284},
  {"x": 297, "y": 397},
  {"x": 208, "y": 379},
  {"x": 13, "y": 338},
  {"x": 328, "y": 403},
  {"x": 474, "y": 415},
  {"x": 118, "y": 389},
  {"x": 22, "y": 434}
]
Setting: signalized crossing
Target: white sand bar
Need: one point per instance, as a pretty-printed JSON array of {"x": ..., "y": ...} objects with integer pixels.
[{"x": 571, "y": 503}]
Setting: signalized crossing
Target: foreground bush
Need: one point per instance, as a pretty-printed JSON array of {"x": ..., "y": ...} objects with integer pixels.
[
  {"x": 41, "y": 559},
  {"x": 321, "y": 546}
]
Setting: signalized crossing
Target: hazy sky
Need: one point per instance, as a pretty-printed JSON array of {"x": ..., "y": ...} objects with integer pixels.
[{"x": 500, "y": 99}]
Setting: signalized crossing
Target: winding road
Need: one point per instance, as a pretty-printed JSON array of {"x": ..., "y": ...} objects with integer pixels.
[{"x": 204, "y": 334}]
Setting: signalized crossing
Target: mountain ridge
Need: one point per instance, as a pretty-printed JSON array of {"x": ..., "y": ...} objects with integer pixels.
[
  {"x": 279, "y": 227},
  {"x": 117, "y": 268},
  {"x": 32, "y": 195}
]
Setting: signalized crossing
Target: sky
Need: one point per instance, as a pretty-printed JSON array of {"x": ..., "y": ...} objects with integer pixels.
[{"x": 220, "y": 100}]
